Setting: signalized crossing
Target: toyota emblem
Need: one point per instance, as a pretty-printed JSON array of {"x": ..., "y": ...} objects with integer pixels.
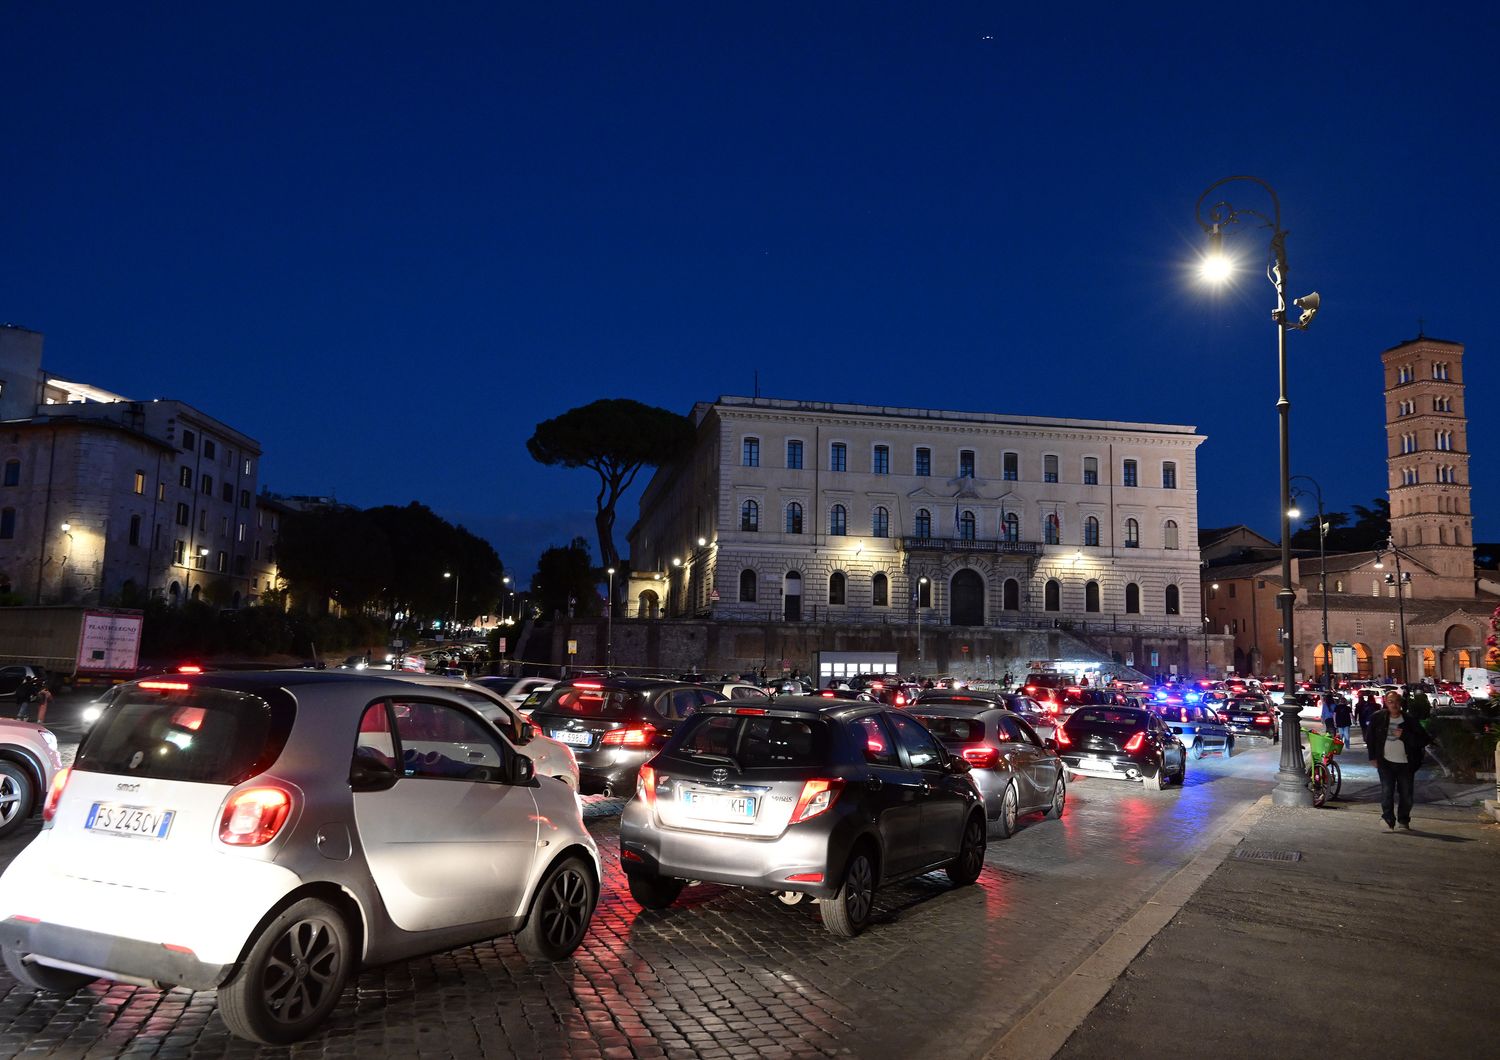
[{"x": 720, "y": 775}]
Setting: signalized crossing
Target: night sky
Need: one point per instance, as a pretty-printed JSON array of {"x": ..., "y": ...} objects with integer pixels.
[{"x": 387, "y": 239}]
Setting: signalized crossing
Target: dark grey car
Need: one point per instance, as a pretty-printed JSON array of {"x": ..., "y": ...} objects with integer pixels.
[
  {"x": 1012, "y": 768},
  {"x": 807, "y": 796}
]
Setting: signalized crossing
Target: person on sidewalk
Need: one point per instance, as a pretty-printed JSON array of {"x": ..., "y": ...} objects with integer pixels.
[
  {"x": 1343, "y": 716},
  {"x": 1327, "y": 714},
  {"x": 1369, "y": 705},
  {"x": 1397, "y": 745}
]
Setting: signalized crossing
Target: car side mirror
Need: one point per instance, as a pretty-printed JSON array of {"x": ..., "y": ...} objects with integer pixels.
[
  {"x": 528, "y": 733},
  {"x": 369, "y": 774},
  {"x": 960, "y": 765},
  {"x": 1050, "y": 743},
  {"x": 522, "y": 771}
]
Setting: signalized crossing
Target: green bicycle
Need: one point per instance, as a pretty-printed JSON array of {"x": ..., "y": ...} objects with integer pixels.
[{"x": 1325, "y": 779}]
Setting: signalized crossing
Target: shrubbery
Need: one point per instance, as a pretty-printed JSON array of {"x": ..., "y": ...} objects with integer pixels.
[{"x": 251, "y": 633}]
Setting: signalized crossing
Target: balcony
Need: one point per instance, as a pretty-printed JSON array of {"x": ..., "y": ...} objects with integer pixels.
[{"x": 952, "y": 544}]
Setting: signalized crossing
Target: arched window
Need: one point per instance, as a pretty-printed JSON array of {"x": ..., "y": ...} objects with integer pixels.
[
  {"x": 750, "y": 516},
  {"x": 1174, "y": 603},
  {"x": 1052, "y": 596},
  {"x": 1091, "y": 531},
  {"x": 1052, "y": 529},
  {"x": 1091, "y": 597},
  {"x": 838, "y": 521},
  {"x": 794, "y": 518},
  {"x": 748, "y": 587},
  {"x": 881, "y": 523},
  {"x": 1011, "y": 597},
  {"x": 1132, "y": 599},
  {"x": 1132, "y": 534},
  {"x": 1169, "y": 534},
  {"x": 836, "y": 583},
  {"x": 922, "y": 526},
  {"x": 1012, "y": 526},
  {"x": 880, "y": 590},
  {"x": 1338, "y": 586},
  {"x": 966, "y": 526}
]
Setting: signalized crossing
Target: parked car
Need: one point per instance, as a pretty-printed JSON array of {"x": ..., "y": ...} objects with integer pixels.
[
  {"x": 737, "y": 690},
  {"x": 1042, "y": 720},
  {"x": 1200, "y": 729},
  {"x": 615, "y": 724},
  {"x": 1121, "y": 743},
  {"x": 1015, "y": 772},
  {"x": 809, "y": 796},
  {"x": 28, "y": 762},
  {"x": 1249, "y": 714},
  {"x": 514, "y": 690},
  {"x": 266, "y": 835}
]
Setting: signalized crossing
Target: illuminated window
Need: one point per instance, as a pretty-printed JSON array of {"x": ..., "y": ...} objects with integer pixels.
[
  {"x": 140, "y": 484},
  {"x": 750, "y": 516},
  {"x": 185, "y": 477},
  {"x": 207, "y": 484},
  {"x": 922, "y": 525}
]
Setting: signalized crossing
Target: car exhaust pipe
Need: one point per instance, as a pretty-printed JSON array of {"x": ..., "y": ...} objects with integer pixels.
[{"x": 1133, "y": 774}]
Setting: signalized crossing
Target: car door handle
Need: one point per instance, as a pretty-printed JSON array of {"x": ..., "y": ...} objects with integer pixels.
[{"x": 874, "y": 783}]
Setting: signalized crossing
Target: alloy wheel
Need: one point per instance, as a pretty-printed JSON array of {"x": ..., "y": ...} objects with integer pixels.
[
  {"x": 973, "y": 853},
  {"x": 1008, "y": 809},
  {"x": 300, "y": 970},
  {"x": 10, "y": 799},
  {"x": 860, "y": 889},
  {"x": 564, "y": 908}
]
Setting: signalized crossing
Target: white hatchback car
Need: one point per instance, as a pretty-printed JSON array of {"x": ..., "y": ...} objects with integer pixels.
[
  {"x": 266, "y": 834},
  {"x": 28, "y": 762}
]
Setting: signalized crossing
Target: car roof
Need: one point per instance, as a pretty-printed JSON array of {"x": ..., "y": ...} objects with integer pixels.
[
  {"x": 955, "y": 710},
  {"x": 819, "y": 705},
  {"x": 627, "y": 683}
]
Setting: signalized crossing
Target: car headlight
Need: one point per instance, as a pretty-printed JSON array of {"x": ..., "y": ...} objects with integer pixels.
[{"x": 91, "y": 714}]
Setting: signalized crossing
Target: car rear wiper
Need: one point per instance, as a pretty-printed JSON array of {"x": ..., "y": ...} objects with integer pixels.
[{"x": 704, "y": 756}]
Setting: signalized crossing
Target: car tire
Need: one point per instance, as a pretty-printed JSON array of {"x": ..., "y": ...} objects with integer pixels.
[
  {"x": 1198, "y": 749},
  {"x": 1157, "y": 781},
  {"x": 560, "y": 912},
  {"x": 653, "y": 892},
  {"x": 42, "y": 976},
  {"x": 966, "y": 866},
  {"x": 1059, "y": 799},
  {"x": 262, "y": 1003},
  {"x": 1010, "y": 809},
  {"x": 17, "y": 796},
  {"x": 847, "y": 913},
  {"x": 1229, "y": 747}
]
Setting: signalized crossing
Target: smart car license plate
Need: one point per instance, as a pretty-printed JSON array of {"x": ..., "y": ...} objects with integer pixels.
[
  {"x": 570, "y": 736},
  {"x": 148, "y": 822},
  {"x": 714, "y": 806}
]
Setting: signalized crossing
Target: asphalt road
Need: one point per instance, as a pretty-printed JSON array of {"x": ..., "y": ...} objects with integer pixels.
[{"x": 725, "y": 973}]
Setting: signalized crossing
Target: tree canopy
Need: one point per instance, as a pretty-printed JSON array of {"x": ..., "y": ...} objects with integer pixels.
[
  {"x": 615, "y": 437},
  {"x": 566, "y": 581},
  {"x": 1370, "y": 529}
]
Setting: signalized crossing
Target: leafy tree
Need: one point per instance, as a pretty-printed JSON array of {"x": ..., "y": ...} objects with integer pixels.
[
  {"x": 615, "y": 437},
  {"x": 566, "y": 581},
  {"x": 1371, "y": 529}
]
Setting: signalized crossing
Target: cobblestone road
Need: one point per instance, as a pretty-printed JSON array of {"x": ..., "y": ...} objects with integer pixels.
[{"x": 726, "y": 973}]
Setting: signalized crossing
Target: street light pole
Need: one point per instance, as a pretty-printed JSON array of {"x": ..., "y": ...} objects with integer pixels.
[
  {"x": 451, "y": 574},
  {"x": 1322, "y": 579},
  {"x": 1206, "y": 621},
  {"x": 1291, "y": 782},
  {"x": 1400, "y": 582},
  {"x": 609, "y": 623},
  {"x": 920, "y": 582}
]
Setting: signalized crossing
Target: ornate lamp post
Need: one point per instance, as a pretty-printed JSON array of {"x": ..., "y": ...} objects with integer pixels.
[
  {"x": 1400, "y": 580},
  {"x": 1291, "y": 782},
  {"x": 920, "y": 583},
  {"x": 450, "y": 574},
  {"x": 609, "y": 623},
  {"x": 1322, "y": 575}
]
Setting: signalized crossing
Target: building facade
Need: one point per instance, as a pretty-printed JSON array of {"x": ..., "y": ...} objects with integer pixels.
[{"x": 808, "y": 511}]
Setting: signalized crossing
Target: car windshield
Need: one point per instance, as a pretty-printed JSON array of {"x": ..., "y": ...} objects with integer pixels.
[
  {"x": 594, "y": 701},
  {"x": 754, "y": 741},
  {"x": 952, "y": 730},
  {"x": 1103, "y": 716},
  {"x": 179, "y": 731}
]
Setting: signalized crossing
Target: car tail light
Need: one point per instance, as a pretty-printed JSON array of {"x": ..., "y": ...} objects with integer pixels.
[
  {"x": 1061, "y": 736},
  {"x": 54, "y": 793},
  {"x": 587, "y": 684},
  {"x": 826, "y": 694},
  {"x": 253, "y": 817},
  {"x": 900, "y": 700},
  {"x": 629, "y": 736},
  {"x": 1135, "y": 743},
  {"x": 1262, "y": 719},
  {"x": 805, "y": 877},
  {"x": 645, "y": 786},
  {"x": 190, "y": 668},
  {"x": 1031, "y": 690},
  {"x": 166, "y": 686},
  {"x": 817, "y": 796},
  {"x": 982, "y": 757},
  {"x": 750, "y": 710},
  {"x": 1184, "y": 713}
]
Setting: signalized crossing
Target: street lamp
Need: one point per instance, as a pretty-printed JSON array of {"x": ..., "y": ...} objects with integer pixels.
[
  {"x": 504, "y": 581},
  {"x": 609, "y": 624},
  {"x": 1206, "y": 622},
  {"x": 1400, "y": 580},
  {"x": 450, "y": 574},
  {"x": 1322, "y": 575},
  {"x": 1291, "y": 783},
  {"x": 920, "y": 582}
]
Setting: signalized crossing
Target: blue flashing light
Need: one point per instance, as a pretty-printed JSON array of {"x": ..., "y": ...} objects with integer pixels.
[
  {"x": 1193, "y": 697},
  {"x": 1161, "y": 694}
]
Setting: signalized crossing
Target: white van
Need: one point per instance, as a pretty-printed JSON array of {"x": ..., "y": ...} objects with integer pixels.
[{"x": 1481, "y": 683}]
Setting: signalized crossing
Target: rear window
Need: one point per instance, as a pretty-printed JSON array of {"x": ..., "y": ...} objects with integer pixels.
[
  {"x": 952, "y": 730},
  {"x": 594, "y": 702},
  {"x": 755, "y": 742},
  {"x": 1103, "y": 716},
  {"x": 205, "y": 735}
]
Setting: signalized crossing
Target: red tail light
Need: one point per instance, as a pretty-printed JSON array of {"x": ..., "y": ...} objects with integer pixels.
[
  {"x": 630, "y": 736},
  {"x": 982, "y": 757},
  {"x": 900, "y": 700},
  {"x": 166, "y": 686},
  {"x": 805, "y": 877},
  {"x": 645, "y": 786},
  {"x": 750, "y": 710},
  {"x": 1262, "y": 719},
  {"x": 1135, "y": 743},
  {"x": 190, "y": 668},
  {"x": 253, "y": 817},
  {"x": 54, "y": 793},
  {"x": 826, "y": 694},
  {"x": 817, "y": 796},
  {"x": 587, "y": 684},
  {"x": 1061, "y": 737}
]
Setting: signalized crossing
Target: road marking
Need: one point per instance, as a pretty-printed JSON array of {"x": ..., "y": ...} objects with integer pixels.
[{"x": 1043, "y": 1030}]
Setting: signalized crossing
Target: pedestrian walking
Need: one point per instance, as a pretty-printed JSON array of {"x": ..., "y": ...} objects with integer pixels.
[
  {"x": 1369, "y": 704},
  {"x": 1343, "y": 716},
  {"x": 43, "y": 700},
  {"x": 1397, "y": 745},
  {"x": 1327, "y": 717}
]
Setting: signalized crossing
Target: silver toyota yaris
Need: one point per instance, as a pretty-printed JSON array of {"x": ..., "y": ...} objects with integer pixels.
[{"x": 267, "y": 834}]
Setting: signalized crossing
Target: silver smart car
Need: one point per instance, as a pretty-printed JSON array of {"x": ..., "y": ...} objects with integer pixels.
[{"x": 266, "y": 834}]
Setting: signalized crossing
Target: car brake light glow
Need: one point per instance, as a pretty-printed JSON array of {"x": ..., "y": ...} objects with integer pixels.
[
  {"x": 1262, "y": 719},
  {"x": 805, "y": 877},
  {"x": 626, "y": 854},
  {"x": 900, "y": 700},
  {"x": 646, "y": 786},
  {"x": 252, "y": 817},
  {"x": 817, "y": 796},
  {"x": 1135, "y": 743},
  {"x": 1184, "y": 713},
  {"x": 587, "y": 684},
  {"x": 750, "y": 710},
  {"x": 190, "y": 668},
  {"x": 27, "y": 919},
  {"x": 1061, "y": 736},
  {"x": 630, "y": 736},
  {"x": 982, "y": 757},
  {"x": 826, "y": 694},
  {"x": 54, "y": 793},
  {"x": 166, "y": 686}
]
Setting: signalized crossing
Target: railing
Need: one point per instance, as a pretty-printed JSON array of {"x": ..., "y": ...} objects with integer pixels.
[{"x": 951, "y": 544}]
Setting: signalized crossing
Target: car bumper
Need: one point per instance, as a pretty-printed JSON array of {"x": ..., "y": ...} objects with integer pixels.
[
  {"x": 110, "y": 956},
  {"x": 1112, "y": 767},
  {"x": 1249, "y": 728}
]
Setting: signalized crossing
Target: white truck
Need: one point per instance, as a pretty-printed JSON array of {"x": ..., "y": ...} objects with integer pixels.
[
  {"x": 1481, "y": 683},
  {"x": 74, "y": 645}
]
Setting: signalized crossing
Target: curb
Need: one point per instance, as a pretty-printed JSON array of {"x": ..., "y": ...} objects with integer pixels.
[{"x": 1047, "y": 1026}]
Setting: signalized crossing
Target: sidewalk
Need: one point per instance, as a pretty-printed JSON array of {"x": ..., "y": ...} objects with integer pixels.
[{"x": 1373, "y": 944}]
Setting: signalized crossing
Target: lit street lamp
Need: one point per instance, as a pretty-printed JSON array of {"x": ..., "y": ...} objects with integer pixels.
[
  {"x": 920, "y": 582},
  {"x": 450, "y": 574},
  {"x": 1291, "y": 782},
  {"x": 1400, "y": 580},
  {"x": 1322, "y": 576},
  {"x": 609, "y": 623},
  {"x": 504, "y": 604}
]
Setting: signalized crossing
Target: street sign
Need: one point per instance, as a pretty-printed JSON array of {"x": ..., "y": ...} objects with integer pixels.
[
  {"x": 500, "y": 645},
  {"x": 397, "y": 645},
  {"x": 572, "y": 647},
  {"x": 1155, "y": 660}
]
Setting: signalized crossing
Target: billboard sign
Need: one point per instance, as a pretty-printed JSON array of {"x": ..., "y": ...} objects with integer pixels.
[{"x": 110, "y": 642}]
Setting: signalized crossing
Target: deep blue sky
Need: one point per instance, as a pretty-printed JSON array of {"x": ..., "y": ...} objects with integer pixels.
[{"x": 387, "y": 239}]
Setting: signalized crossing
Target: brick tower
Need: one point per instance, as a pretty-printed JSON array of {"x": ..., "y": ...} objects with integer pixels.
[{"x": 1427, "y": 460}]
